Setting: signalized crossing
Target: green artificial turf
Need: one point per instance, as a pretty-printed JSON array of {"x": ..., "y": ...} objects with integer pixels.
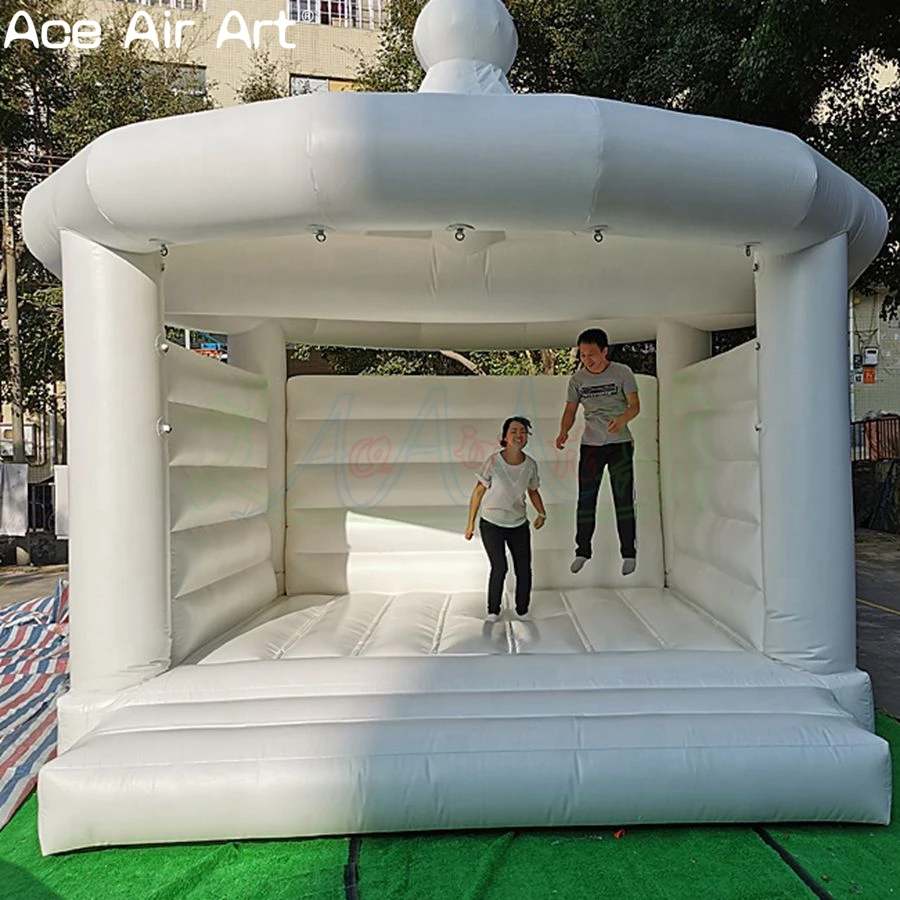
[
  {"x": 854, "y": 861},
  {"x": 696, "y": 862},
  {"x": 290, "y": 869}
]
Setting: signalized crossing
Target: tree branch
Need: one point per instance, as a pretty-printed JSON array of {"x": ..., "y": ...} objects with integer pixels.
[
  {"x": 19, "y": 252},
  {"x": 462, "y": 360},
  {"x": 548, "y": 361}
]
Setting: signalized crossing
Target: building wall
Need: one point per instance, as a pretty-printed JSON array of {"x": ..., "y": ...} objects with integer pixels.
[
  {"x": 870, "y": 330},
  {"x": 42, "y": 448},
  {"x": 327, "y": 54}
]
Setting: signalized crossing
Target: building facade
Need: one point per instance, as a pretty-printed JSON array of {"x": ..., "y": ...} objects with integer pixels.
[
  {"x": 218, "y": 42},
  {"x": 875, "y": 357}
]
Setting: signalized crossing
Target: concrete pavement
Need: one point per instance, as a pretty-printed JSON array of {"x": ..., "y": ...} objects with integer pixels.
[
  {"x": 29, "y": 583},
  {"x": 878, "y": 615}
]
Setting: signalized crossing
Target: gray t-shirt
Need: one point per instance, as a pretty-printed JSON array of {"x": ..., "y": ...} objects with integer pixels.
[
  {"x": 602, "y": 398},
  {"x": 504, "y": 502}
]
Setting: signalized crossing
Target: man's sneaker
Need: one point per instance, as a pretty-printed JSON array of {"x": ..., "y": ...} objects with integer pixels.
[
  {"x": 523, "y": 617},
  {"x": 493, "y": 617},
  {"x": 577, "y": 564},
  {"x": 629, "y": 564}
]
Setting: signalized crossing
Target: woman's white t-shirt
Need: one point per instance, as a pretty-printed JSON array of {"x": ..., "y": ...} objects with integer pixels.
[{"x": 504, "y": 502}]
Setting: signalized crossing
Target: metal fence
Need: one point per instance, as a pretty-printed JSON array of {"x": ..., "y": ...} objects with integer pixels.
[
  {"x": 40, "y": 507},
  {"x": 875, "y": 439}
]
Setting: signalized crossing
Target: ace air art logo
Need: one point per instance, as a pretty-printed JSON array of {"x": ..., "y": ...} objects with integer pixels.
[{"x": 86, "y": 34}]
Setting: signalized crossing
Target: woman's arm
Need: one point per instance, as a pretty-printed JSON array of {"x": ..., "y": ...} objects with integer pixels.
[
  {"x": 474, "y": 504},
  {"x": 535, "y": 496}
]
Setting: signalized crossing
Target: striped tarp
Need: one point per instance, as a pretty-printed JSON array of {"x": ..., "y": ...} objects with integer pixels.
[{"x": 34, "y": 659}]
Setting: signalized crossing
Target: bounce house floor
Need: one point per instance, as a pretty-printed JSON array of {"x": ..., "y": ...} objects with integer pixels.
[
  {"x": 420, "y": 623},
  {"x": 689, "y": 862},
  {"x": 377, "y": 713}
]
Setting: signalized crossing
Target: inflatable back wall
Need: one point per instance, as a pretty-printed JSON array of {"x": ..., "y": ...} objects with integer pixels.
[{"x": 380, "y": 471}]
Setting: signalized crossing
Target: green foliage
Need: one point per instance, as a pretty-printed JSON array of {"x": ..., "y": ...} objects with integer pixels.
[
  {"x": 362, "y": 361},
  {"x": 40, "y": 345},
  {"x": 356, "y": 361},
  {"x": 639, "y": 356},
  {"x": 862, "y": 135},
  {"x": 552, "y": 37},
  {"x": 767, "y": 62},
  {"x": 175, "y": 335},
  {"x": 264, "y": 81},
  {"x": 57, "y": 102},
  {"x": 53, "y": 103},
  {"x": 395, "y": 67},
  {"x": 525, "y": 362},
  {"x": 33, "y": 82},
  {"x": 722, "y": 341},
  {"x": 112, "y": 86}
]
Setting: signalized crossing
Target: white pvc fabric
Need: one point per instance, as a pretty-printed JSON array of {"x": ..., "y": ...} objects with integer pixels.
[
  {"x": 281, "y": 632},
  {"x": 384, "y": 177},
  {"x": 220, "y": 544},
  {"x": 716, "y": 556},
  {"x": 572, "y": 163},
  {"x": 337, "y": 746},
  {"x": 380, "y": 474},
  {"x": 378, "y": 698}
]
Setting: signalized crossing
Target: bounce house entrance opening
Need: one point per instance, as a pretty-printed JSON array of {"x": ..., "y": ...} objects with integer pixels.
[{"x": 379, "y": 473}]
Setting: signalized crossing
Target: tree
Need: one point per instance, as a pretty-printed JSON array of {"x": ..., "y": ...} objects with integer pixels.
[
  {"x": 395, "y": 67},
  {"x": 804, "y": 66},
  {"x": 862, "y": 135},
  {"x": 264, "y": 81},
  {"x": 40, "y": 345},
  {"x": 551, "y": 41},
  {"x": 53, "y": 103},
  {"x": 362, "y": 361},
  {"x": 113, "y": 86},
  {"x": 33, "y": 82}
]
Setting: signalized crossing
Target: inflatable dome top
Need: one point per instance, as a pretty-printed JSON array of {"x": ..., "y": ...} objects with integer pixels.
[{"x": 463, "y": 215}]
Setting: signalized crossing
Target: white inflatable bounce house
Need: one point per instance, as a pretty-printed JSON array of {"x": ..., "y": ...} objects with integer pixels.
[{"x": 277, "y": 626}]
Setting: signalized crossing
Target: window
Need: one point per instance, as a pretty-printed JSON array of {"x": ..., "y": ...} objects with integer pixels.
[
  {"x": 6, "y": 440},
  {"x": 182, "y": 79},
  {"x": 191, "y": 5},
  {"x": 304, "y": 84},
  {"x": 342, "y": 13},
  {"x": 309, "y": 84}
]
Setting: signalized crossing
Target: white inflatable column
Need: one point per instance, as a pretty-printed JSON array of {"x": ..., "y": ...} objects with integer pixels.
[
  {"x": 677, "y": 346},
  {"x": 262, "y": 351},
  {"x": 118, "y": 546},
  {"x": 804, "y": 408}
]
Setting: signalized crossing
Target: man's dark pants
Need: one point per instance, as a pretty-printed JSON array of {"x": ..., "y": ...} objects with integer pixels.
[{"x": 619, "y": 458}]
